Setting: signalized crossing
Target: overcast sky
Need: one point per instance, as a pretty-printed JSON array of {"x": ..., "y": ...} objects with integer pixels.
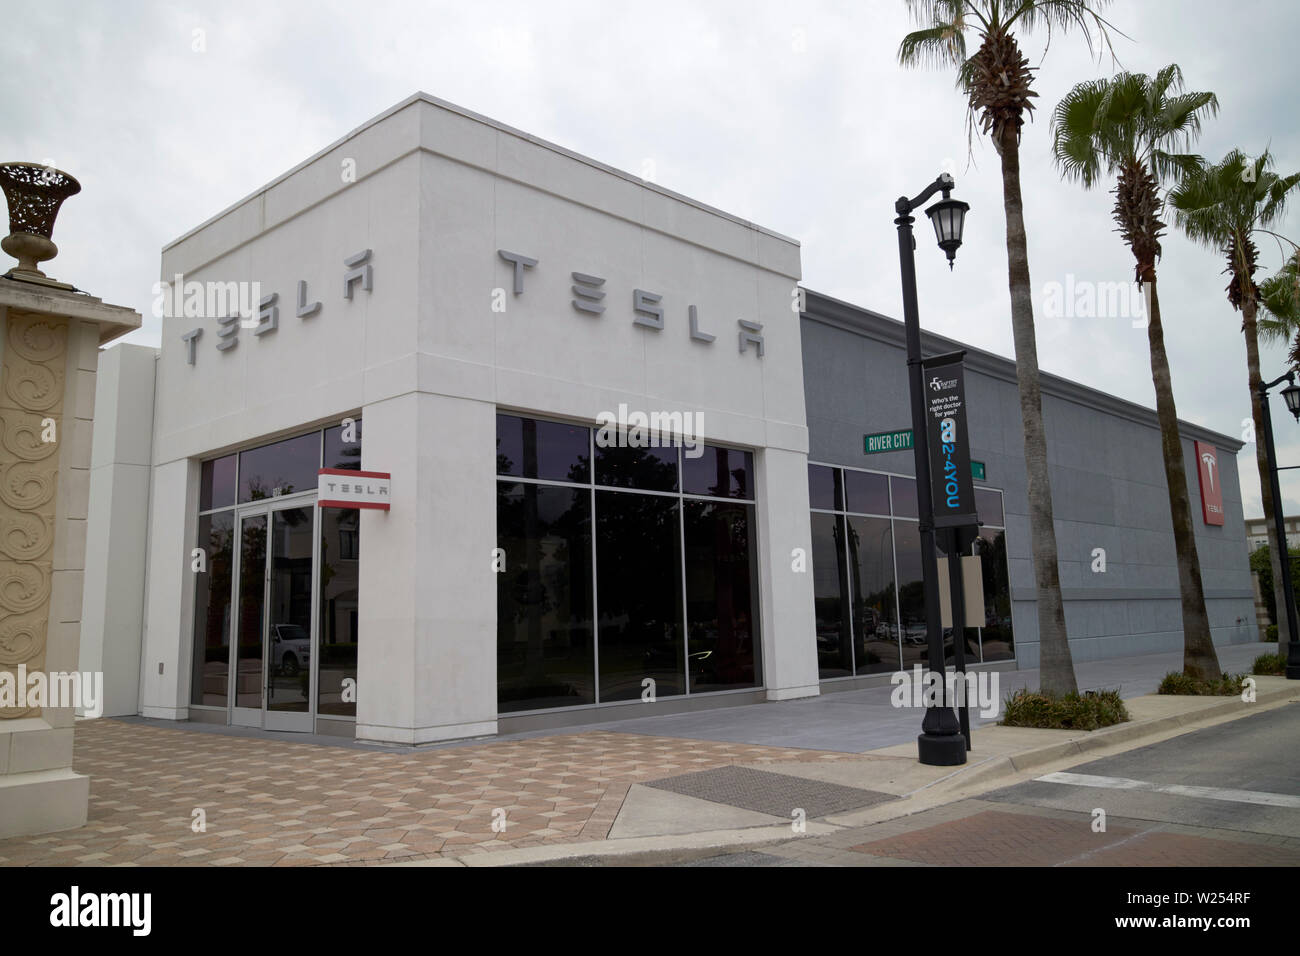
[{"x": 794, "y": 116}]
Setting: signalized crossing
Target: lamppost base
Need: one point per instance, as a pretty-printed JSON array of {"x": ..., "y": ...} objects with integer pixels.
[
  {"x": 1292, "y": 672},
  {"x": 941, "y": 750}
]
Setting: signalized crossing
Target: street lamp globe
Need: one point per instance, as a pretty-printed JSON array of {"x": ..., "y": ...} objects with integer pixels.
[
  {"x": 949, "y": 218},
  {"x": 1291, "y": 394}
]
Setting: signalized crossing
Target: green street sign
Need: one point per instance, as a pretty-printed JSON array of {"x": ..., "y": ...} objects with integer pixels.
[
  {"x": 900, "y": 440},
  {"x": 977, "y": 470}
]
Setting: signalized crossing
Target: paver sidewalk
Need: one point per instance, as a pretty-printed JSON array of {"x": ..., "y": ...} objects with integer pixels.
[{"x": 271, "y": 803}]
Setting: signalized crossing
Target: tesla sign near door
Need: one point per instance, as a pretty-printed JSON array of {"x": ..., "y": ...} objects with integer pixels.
[
  {"x": 341, "y": 488},
  {"x": 1207, "y": 468}
]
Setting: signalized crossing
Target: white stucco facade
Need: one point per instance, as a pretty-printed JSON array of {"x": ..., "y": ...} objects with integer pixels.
[{"x": 425, "y": 357}]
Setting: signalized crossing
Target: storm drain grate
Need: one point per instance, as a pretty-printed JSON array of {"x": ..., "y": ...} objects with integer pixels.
[{"x": 777, "y": 794}]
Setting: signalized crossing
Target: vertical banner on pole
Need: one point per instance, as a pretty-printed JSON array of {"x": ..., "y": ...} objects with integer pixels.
[{"x": 951, "y": 487}]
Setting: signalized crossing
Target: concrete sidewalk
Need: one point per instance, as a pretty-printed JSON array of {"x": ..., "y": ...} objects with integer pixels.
[{"x": 860, "y": 721}]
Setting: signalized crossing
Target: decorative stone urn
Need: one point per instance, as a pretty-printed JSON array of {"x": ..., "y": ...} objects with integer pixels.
[{"x": 34, "y": 193}]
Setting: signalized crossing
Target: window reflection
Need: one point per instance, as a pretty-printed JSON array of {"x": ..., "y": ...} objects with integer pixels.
[
  {"x": 722, "y": 595},
  {"x": 530, "y": 448},
  {"x": 339, "y": 575},
  {"x": 880, "y": 595},
  {"x": 911, "y": 593},
  {"x": 871, "y": 567},
  {"x": 651, "y": 469},
  {"x": 343, "y": 447},
  {"x": 718, "y": 472},
  {"x": 638, "y": 572},
  {"x": 830, "y": 596},
  {"x": 996, "y": 638},
  {"x": 544, "y": 632},
  {"x": 217, "y": 484},
  {"x": 903, "y": 492},
  {"x": 283, "y": 468},
  {"x": 210, "y": 672},
  {"x": 866, "y": 492},
  {"x": 824, "y": 491}
]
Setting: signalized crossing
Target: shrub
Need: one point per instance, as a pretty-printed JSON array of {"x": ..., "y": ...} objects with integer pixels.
[
  {"x": 1269, "y": 665},
  {"x": 1089, "y": 711},
  {"x": 1176, "y": 682},
  {"x": 1270, "y": 633}
]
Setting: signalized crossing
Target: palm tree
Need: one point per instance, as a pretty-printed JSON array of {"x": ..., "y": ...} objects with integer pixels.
[
  {"x": 996, "y": 81},
  {"x": 1279, "y": 307},
  {"x": 1127, "y": 125},
  {"x": 1223, "y": 206}
]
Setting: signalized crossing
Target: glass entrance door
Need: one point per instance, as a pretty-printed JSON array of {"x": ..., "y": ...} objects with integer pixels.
[
  {"x": 288, "y": 670},
  {"x": 272, "y": 658}
]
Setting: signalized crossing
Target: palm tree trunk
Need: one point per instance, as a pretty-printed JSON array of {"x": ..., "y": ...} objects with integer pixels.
[
  {"x": 1275, "y": 548},
  {"x": 1199, "y": 658},
  {"x": 1056, "y": 667}
]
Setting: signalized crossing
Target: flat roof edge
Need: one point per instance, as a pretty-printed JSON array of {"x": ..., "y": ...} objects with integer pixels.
[
  {"x": 423, "y": 97},
  {"x": 821, "y": 307}
]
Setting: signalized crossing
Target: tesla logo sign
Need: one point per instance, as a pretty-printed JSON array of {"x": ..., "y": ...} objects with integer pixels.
[
  {"x": 1207, "y": 468},
  {"x": 340, "y": 488}
]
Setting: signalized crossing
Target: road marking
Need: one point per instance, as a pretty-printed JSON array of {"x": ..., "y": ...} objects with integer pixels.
[{"x": 1173, "y": 789}]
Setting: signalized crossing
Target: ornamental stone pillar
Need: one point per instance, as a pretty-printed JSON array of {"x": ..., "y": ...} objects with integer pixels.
[{"x": 49, "y": 341}]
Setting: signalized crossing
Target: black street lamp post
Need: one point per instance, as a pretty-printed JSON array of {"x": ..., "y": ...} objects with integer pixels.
[
  {"x": 1291, "y": 394},
  {"x": 941, "y": 742}
]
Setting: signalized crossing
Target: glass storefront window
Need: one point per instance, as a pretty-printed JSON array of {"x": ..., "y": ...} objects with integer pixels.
[
  {"x": 721, "y": 595},
  {"x": 339, "y": 570},
  {"x": 830, "y": 596},
  {"x": 903, "y": 492},
  {"x": 865, "y": 492},
  {"x": 988, "y": 506},
  {"x": 552, "y": 451},
  {"x": 673, "y": 581},
  {"x": 545, "y": 652},
  {"x": 824, "y": 488},
  {"x": 210, "y": 663},
  {"x": 651, "y": 469},
  {"x": 868, "y": 581},
  {"x": 217, "y": 484},
  {"x": 283, "y": 468},
  {"x": 718, "y": 472},
  {"x": 343, "y": 447},
  {"x": 639, "y": 577},
  {"x": 871, "y": 582},
  {"x": 996, "y": 640}
]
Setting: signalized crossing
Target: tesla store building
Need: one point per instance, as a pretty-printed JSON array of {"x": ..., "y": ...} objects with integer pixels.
[{"x": 499, "y": 437}]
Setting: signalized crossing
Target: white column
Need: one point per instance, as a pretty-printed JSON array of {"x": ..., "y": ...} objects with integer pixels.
[
  {"x": 788, "y": 614},
  {"x": 426, "y": 666},
  {"x": 113, "y": 606},
  {"x": 169, "y": 594}
]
